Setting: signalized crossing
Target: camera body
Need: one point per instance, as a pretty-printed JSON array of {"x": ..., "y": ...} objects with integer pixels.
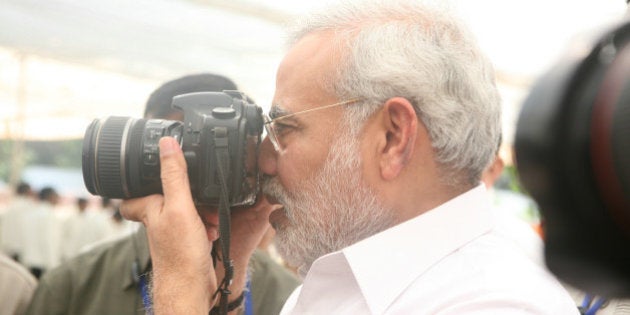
[{"x": 220, "y": 136}]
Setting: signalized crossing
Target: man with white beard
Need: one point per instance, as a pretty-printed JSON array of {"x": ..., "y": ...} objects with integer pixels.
[
  {"x": 384, "y": 117},
  {"x": 320, "y": 224}
]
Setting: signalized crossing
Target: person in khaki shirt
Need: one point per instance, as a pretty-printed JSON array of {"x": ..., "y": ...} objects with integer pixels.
[
  {"x": 112, "y": 278},
  {"x": 105, "y": 280},
  {"x": 16, "y": 286}
]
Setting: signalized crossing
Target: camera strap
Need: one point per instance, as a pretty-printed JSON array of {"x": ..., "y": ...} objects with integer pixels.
[{"x": 223, "y": 164}]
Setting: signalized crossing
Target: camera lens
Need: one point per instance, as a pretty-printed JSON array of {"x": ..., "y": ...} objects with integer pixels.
[{"x": 121, "y": 157}]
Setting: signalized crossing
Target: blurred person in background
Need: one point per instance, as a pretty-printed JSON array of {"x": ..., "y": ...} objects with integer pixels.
[
  {"x": 507, "y": 194},
  {"x": 16, "y": 287},
  {"x": 42, "y": 234},
  {"x": 83, "y": 228},
  {"x": 113, "y": 278},
  {"x": 510, "y": 222},
  {"x": 109, "y": 206},
  {"x": 118, "y": 226},
  {"x": 13, "y": 221}
]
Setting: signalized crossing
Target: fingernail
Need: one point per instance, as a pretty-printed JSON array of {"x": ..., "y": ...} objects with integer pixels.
[{"x": 168, "y": 145}]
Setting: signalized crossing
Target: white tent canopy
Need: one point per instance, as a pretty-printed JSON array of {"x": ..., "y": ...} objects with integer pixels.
[{"x": 65, "y": 62}]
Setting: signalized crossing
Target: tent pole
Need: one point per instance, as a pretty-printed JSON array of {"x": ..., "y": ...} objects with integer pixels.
[{"x": 17, "y": 150}]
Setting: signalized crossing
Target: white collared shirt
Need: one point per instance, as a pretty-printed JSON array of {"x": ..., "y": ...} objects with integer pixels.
[
  {"x": 12, "y": 223},
  {"x": 42, "y": 237},
  {"x": 449, "y": 260}
]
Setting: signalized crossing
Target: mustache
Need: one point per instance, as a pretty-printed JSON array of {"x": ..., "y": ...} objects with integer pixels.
[{"x": 271, "y": 187}]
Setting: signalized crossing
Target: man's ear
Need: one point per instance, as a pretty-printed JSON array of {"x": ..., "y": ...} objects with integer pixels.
[{"x": 401, "y": 126}]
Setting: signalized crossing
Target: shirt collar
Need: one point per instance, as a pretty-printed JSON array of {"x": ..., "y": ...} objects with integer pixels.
[{"x": 409, "y": 249}]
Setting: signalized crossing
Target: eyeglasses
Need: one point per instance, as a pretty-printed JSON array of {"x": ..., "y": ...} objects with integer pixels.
[{"x": 272, "y": 129}]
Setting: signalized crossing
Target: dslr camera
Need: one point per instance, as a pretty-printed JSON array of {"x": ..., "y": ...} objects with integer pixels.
[{"x": 220, "y": 137}]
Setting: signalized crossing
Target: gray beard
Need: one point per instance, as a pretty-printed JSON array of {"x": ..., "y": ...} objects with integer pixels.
[{"x": 334, "y": 210}]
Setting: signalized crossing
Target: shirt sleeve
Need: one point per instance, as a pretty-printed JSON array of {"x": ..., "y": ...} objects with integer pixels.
[{"x": 51, "y": 295}]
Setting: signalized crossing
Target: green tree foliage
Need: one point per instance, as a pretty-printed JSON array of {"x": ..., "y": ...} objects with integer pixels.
[{"x": 66, "y": 154}]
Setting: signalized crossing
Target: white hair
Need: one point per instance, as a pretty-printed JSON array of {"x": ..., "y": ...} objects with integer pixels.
[{"x": 420, "y": 52}]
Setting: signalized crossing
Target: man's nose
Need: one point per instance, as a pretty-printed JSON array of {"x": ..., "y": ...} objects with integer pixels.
[{"x": 267, "y": 159}]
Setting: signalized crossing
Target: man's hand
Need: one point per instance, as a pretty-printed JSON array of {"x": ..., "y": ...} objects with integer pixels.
[{"x": 183, "y": 275}]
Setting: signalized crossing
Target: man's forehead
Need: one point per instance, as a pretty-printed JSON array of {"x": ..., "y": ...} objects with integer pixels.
[{"x": 302, "y": 76}]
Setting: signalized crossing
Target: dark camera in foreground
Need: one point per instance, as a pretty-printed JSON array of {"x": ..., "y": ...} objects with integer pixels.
[
  {"x": 220, "y": 134},
  {"x": 573, "y": 156}
]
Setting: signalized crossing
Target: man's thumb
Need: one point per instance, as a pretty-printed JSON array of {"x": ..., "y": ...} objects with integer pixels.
[{"x": 174, "y": 173}]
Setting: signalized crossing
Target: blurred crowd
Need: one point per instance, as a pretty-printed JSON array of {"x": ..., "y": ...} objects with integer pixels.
[{"x": 40, "y": 229}]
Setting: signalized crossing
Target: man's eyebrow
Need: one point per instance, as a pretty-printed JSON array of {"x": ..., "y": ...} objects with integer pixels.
[{"x": 277, "y": 111}]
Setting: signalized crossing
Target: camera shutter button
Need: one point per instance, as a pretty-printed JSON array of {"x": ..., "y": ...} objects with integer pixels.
[{"x": 223, "y": 112}]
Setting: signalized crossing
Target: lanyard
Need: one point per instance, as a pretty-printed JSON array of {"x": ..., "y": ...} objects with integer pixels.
[
  {"x": 590, "y": 307},
  {"x": 249, "y": 307},
  {"x": 144, "y": 292},
  {"x": 146, "y": 300}
]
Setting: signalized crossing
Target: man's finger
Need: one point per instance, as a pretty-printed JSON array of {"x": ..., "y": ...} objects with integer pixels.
[
  {"x": 136, "y": 209},
  {"x": 174, "y": 174}
]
